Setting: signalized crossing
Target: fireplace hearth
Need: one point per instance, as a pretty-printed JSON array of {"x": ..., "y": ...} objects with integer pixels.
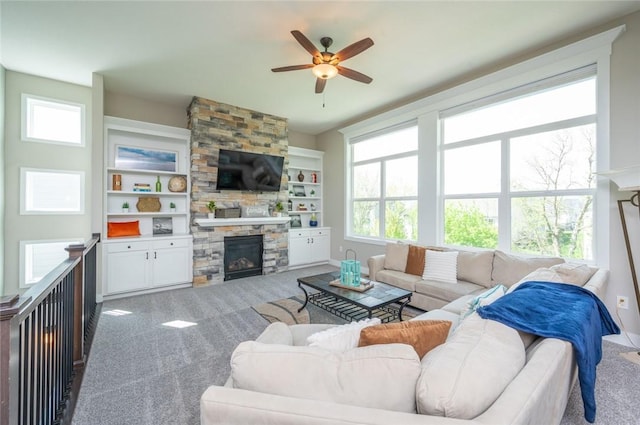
[{"x": 242, "y": 256}]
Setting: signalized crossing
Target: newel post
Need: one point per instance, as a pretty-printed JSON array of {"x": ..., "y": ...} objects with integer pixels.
[
  {"x": 9, "y": 308},
  {"x": 76, "y": 251}
]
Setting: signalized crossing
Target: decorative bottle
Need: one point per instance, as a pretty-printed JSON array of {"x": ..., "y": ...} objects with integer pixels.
[
  {"x": 313, "y": 221},
  {"x": 158, "y": 185}
]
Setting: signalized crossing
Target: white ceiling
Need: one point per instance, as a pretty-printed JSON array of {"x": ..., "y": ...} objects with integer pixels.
[{"x": 169, "y": 51}]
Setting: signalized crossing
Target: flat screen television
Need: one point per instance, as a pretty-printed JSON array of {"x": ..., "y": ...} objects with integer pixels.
[{"x": 239, "y": 170}]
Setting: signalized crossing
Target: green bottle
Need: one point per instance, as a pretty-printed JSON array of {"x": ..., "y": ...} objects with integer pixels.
[{"x": 158, "y": 185}]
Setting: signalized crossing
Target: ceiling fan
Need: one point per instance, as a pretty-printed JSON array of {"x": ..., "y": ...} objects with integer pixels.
[{"x": 326, "y": 64}]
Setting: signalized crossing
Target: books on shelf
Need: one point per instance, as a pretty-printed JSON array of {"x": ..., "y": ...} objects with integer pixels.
[{"x": 141, "y": 187}]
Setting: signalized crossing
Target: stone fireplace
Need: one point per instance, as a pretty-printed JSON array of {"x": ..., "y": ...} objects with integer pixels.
[
  {"x": 216, "y": 126},
  {"x": 242, "y": 256}
]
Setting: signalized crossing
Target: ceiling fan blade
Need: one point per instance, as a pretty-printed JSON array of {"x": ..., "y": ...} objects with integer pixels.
[
  {"x": 320, "y": 83},
  {"x": 292, "y": 67},
  {"x": 304, "y": 42},
  {"x": 353, "y": 49},
  {"x": 354, "y": 75}
]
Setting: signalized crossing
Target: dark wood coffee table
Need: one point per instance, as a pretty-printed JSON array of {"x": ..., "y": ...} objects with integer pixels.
[{"x": 383, "y": 301}]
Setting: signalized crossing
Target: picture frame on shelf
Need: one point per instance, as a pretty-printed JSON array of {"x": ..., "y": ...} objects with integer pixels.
[
  {"x": 298, "y": 190},
  {"x": 136, "y": 158},
  {"x": 296, "y": 221},
  {"x": 162, "y": 226}
]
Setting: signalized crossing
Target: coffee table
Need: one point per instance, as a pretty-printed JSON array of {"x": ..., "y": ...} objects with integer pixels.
[{"x": 383, "y": 301}]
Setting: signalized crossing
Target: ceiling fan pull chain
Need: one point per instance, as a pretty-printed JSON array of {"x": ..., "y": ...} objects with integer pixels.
[{"x": 323, "y": 98}]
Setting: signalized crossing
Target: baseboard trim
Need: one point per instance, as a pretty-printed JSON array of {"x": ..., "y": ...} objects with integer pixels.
[{"x": 623, "y": 340}]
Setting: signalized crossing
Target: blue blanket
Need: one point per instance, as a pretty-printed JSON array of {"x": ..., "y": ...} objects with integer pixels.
[{"x": 567, "y": 312}]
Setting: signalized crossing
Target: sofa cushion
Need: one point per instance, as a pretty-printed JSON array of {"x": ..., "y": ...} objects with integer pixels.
[
  {"x": 574, "y": 273},
  {"x": 276, "y": 333},
  {"x": 423, "y": 335},
  {"x": 354, "y": 377},
  {"x": 340, "y": 338},
  {"x": 475, "y": 267},
  {"x": 464, "y": 376},
  {"x": 395, "y": 256},
  {"x": 446, "y": 291},
  {"x": 399, "y": 279},
  {"x": 509, "y": 269},
  {"x": 441, "y": 266},
  {"x": 542, "y": 274},
  {"x": 415, "y": 260}
]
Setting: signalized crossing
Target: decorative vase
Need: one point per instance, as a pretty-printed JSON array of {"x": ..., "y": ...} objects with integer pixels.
[
  {"x": 125, "y": 210},
  {"x": 158, "y": 185},
  {"x": 289, "y": 205},
  {"x": 172, "y": 210},
  {"x": 300, "y": 176},
  {"x": 211, "y": 215},
  {"x": 313, "y": 221}
]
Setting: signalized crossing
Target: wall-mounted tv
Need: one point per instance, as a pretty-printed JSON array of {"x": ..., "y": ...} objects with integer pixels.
[{"x": 249, "y": 171}]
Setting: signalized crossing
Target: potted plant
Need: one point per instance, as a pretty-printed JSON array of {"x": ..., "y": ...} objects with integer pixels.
[
  {"x": 125, "y": 207},
  {"x": 212, "y": 208},
  {"x": 279, "y": 208},
  {"x": 172, "y": 207},
  {"x": 313, "y": 192}
]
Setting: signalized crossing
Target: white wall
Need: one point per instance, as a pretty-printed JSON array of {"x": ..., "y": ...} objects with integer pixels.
[
  {"x": 39, "y": 155},
  {"x": 302, "y": 140},
  {"x": 134, "y": 108},
  {"x": 2, "y": 186},
  {"x": 625, "y": 151}
]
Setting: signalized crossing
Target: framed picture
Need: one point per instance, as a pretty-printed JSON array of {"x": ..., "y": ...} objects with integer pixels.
[
  {"x": 134, "y": 158},
  {"x": 162, "y": 226},
  {"x": 298, "y": 190},
  {"x": 295, "y": 220}
]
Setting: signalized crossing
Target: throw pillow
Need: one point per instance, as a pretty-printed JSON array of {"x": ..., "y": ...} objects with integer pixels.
[
  {"x": 415, "y": 260},
  {"x": 467, "y": 374},
  {"x": 395, "y": 256},
  {"x": 541, "y": 275},
  {"x": 440, "y": 266},
  {"x": 485, "y": 298},
  {"x": 124, "y": 228},
  {"x": 340, "y": 338},
  {"x": 475, "y": 267},
  {"x": 422, "y": 335},
  {"x": 378, "y": 376},
  {"x": 574, "y": 273}
]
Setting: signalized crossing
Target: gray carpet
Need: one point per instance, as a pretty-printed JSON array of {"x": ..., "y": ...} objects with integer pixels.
[{"x": 140, "y": 372}]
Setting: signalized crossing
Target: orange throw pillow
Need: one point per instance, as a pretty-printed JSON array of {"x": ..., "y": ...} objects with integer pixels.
[
  {"x": 124, "y": 228},
  {"x": 415, "y": 260},
  {"x": 422, "y": 335}
]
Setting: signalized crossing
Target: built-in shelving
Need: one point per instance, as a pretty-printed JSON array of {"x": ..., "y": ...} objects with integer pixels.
[{"x": 307, "y": 162}]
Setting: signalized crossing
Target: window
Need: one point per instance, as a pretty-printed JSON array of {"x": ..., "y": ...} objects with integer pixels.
[
  {"x": 518, "y": 173},
  {"x": 51, "y": 191},
  {"x": 52, "y": 121},
  {"x": 37, "y": 258},
  {"x": 384, "y": 189}
]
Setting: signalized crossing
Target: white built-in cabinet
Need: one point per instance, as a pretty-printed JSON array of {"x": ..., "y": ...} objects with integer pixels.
[
  {"x": 155, "y": 259},
  {"x": 307, "y": 244}
]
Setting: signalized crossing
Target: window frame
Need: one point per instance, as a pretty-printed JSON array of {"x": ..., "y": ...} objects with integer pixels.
[
  {"x": 23, "y": 192},
  {"x": 595, "y": 49},
  {"x": 26, "y": 113},
  {"x": 23, "y": 256},
  {"x": 383, "y": 198}
]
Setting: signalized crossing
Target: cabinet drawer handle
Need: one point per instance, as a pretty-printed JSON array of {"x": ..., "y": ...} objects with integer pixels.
[
  {"x": 155, "y": 255},
  {"x": 128, "y": 246},
  {"x": 171, "y": 244},
  {"x": 147, "y": 254}
]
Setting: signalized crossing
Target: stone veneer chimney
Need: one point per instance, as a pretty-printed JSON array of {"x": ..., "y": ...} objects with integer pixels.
[{"x": 216, "y": 126}]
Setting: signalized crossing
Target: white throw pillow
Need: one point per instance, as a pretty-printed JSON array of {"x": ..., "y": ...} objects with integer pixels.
[
  {"x": 441, "y": 266},
  {"x": 341, "y": 338},
  {"x": 382, "y": 376},
  {"x": 486, "y": 298}
]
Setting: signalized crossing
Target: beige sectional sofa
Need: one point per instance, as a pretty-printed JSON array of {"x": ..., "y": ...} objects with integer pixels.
[
  {"x": 476, "y": 271},
  {"x": 485, "y": 372}
]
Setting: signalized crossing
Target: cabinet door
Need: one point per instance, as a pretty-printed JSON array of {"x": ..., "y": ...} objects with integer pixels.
[
  {"x": 170, "y": 266},
  {"x": 128, "y": 271},
  {"x": 320, "y": 246},
  {"x": 299, "y": 242}
]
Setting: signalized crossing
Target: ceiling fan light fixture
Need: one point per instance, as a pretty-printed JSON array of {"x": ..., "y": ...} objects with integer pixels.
[{"x": 325, "y": 71}]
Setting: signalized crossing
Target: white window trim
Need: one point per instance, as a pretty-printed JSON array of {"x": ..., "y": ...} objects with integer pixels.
[
  {"x": 23, "y": 201},
  {"x": 595, "y": 49},
  {"x": 24, "y": 121},
  {"x": 22, "y": 258}
]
